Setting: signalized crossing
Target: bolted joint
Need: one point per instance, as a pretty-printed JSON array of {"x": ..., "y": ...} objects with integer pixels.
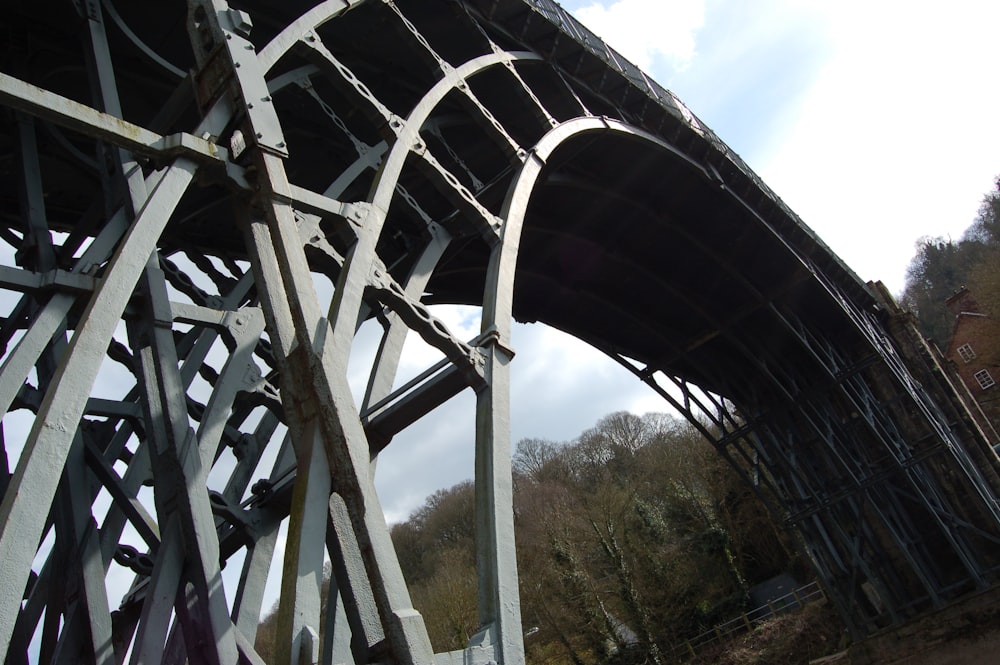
[
  {"x": 475, "y": 371},
  {"x": 491, "y": 339},
  {"x": 357, "y": 213},
  {"x": 227, "y": 61},
  {"x": 239, "y": 22},
  {"x": 231, "y": 513},
  {"x": 396, "y": 125},
  {"x": 380, "y": 280}
]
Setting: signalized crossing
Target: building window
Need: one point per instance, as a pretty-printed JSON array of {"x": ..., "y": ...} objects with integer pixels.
[
  {"x": 966, "y": 352},
  {"x": 984, "y": 379}
]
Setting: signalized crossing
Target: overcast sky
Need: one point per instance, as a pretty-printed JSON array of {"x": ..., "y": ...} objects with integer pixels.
[{"x": 875, "y": 121}]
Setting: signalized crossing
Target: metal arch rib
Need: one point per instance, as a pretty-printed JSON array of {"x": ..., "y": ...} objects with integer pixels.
[
  {"x": 347, "y": 306},
  {"x": 38, "y": 470},
  {"x": 315, "y": 17},
  {"x": 384, "y": 188}
]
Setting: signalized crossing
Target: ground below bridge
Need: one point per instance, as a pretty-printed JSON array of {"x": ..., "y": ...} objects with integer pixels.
[{"x": 963, "y": 633}]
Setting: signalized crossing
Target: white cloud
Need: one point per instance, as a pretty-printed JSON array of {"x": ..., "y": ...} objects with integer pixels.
[
  {"x": 644, "y": 30},
  {"x": 897, "y": 137}
]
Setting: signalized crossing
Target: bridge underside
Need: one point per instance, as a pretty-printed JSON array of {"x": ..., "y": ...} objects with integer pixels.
[{"x": 203, "y": 204}]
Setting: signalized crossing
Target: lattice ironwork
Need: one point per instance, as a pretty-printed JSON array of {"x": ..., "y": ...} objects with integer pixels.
[{"x": 204, "y": 203}]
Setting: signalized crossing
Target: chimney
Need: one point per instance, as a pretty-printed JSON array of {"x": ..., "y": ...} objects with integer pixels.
[{"x": 962, "y": 301}]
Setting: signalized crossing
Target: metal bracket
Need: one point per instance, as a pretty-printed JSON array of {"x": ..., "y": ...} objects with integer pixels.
[{"x": 231, "y": 60}]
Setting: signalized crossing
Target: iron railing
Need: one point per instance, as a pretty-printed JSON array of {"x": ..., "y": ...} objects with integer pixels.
[{"x": 747, "y": 621}]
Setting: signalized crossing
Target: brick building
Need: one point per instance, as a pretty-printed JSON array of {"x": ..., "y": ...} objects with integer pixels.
[{"x": 974, "y": 348}]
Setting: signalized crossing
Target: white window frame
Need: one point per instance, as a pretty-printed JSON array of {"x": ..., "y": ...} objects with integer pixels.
[
  {"x": 966, "y": 353},
  {"x": 984, "y": 379}
]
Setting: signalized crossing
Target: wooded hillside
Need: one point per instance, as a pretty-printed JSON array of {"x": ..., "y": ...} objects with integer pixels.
[
  {"x": 942, "y": 266},
  {"x": 631, "y": 538}
]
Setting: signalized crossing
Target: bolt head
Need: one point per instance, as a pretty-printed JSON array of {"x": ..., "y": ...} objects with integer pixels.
[{"x": 241, "y": 22}]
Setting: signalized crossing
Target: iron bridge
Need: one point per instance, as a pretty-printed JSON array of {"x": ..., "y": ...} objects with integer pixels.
[{"x": 203, "y": 203}]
